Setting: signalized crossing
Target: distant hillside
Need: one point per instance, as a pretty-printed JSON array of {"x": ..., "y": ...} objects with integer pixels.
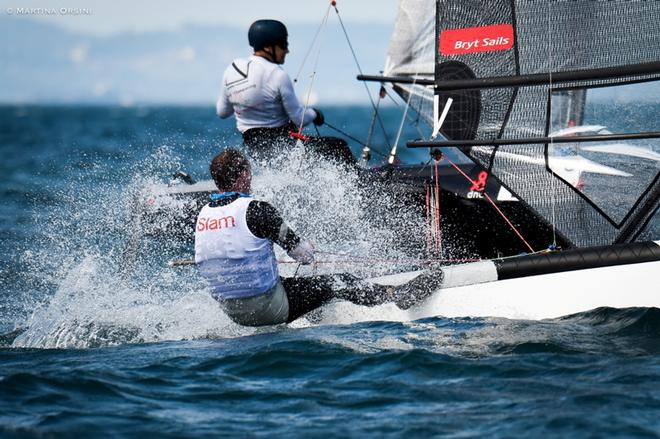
[{"x": 43, "y": 63}]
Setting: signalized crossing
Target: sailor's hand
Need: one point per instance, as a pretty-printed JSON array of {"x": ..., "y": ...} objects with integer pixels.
[
  {"x": 319, "y": 119},
  {"x": 303, "y": 253}
]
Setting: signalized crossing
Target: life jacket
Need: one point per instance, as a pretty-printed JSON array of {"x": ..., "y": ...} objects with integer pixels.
[{"x": 236, "y": 263}]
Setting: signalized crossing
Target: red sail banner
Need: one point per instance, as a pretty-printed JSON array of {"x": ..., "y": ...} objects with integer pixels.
[{"x": 476, "y": 39}]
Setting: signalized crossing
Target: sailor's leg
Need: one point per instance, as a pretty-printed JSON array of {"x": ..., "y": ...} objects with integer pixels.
[
  {"x": 305, "y": 294},
  {"x": 270, "y": 308},
  {"x": 418, "y": 289},
  {"x": 355, "y": 290},
  {"x": 350, "y": 288}
]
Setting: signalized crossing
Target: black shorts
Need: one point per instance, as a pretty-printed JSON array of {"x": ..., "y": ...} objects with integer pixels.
[{"x": 266, "y": 143}]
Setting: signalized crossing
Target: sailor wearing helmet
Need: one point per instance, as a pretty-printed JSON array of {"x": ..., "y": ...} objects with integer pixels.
[{"x": 261, "y": 96}]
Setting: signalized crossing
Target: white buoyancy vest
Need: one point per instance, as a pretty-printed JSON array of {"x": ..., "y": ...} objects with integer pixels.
[
  {"x": 236, "y": 263},
  {"x": 261, "y": 95}
]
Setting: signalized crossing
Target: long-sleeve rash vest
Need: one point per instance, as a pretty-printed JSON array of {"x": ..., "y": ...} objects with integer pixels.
[{"x": 261, "y": 95}]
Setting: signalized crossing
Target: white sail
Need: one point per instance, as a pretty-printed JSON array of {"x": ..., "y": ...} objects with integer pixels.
[
  {"x": 412, "y": 43},
  {"x": 412, "y": 52}
]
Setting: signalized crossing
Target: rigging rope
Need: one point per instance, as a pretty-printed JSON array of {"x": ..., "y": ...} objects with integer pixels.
[
  {"x": 347, "y": 257},
  {"x": 313, "y": 75},
  {"x": 429, "y": 230},
  {"x": 366, "y": 151},
  {"x": 414, "y": 123},
  {"x": 344, "y": 133},
  {"x": 311, "y": 46},
  {"x": 390, "y": 160},
  {"x": 433, "y": 218},
  {"x": 438, "y": 229},
  {"x": 357, "y": 63}
]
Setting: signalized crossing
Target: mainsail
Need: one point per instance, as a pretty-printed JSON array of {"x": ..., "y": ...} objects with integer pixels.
[{"x": 584, "y": 45}]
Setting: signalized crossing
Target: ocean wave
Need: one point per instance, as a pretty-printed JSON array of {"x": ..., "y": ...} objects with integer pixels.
[{"x": 616, "y": 321}]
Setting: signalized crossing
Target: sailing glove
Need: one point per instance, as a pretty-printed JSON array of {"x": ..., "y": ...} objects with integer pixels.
[
  {"x": 303, "y": 253},
  {"x": 319, "y": 119}
]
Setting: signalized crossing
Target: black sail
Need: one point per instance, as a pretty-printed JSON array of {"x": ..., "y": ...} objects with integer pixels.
[{"x": 516, "y": 39}]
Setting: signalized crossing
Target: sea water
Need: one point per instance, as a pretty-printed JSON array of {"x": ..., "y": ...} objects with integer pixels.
[{"x": 124, "y": 345}]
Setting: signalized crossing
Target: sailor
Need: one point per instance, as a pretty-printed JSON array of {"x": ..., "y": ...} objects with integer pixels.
[
  {"x": 234, "y": 236},
  {"x": 261, "y": 96}
]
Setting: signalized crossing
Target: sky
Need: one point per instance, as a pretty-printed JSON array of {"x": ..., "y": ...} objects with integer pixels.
[
  {"x": 174, "y": 51},
  {"x": 110, "y": 17}
]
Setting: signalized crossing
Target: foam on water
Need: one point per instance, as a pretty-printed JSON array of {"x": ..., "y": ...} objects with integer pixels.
[
  {"x": 326, "y": 204},
  {"x": 96, "y": 295}
]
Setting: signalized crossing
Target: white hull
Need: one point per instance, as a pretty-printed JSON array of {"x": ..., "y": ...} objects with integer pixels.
[
  {"x": 550, "y": 295},
  {"x": 473, "y": 290}
]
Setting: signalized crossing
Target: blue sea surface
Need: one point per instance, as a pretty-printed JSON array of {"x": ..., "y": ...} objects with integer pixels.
[
  {"x": 100, "y": 354},
  {"x": 592, "y": 375}
]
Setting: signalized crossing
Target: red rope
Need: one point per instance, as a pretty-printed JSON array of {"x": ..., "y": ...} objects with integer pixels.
[
  {"x": 438, "y": 229},
  {"x": 433, "y": 215},
  {"x": 494, "y": 205},
  {"x": 429, "y": 232},
  {"x": 509, "y": 223}
]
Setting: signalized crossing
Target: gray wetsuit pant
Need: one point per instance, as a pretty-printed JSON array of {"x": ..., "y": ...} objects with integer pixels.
[{"x": 271, "y": 308}]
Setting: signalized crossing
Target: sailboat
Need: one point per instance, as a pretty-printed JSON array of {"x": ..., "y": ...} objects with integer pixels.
[
  {"x": 509, "y": 87},
  {"x": 507, "y": 83}
]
